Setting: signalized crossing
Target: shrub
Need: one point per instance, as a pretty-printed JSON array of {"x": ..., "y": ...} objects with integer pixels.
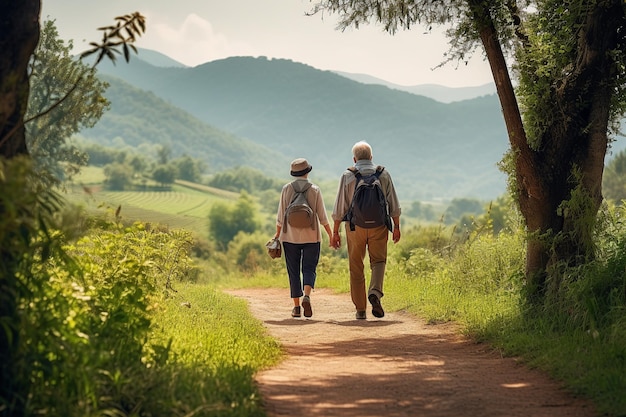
[
  {"x": 87, "y": 329},
  {"x": 249, "y": 252}
]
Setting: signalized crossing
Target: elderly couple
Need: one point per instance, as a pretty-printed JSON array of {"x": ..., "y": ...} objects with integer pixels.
[{"x": 301, "y": 246}]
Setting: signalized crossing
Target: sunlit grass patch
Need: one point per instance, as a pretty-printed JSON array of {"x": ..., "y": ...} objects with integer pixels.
[{"x": 216, "y": 349}]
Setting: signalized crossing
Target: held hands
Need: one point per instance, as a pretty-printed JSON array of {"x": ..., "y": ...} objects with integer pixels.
[{"x": 335, "y": 241}]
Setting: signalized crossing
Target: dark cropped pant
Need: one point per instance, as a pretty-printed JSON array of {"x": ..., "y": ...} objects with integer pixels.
[{"x": 301, "y": 257}]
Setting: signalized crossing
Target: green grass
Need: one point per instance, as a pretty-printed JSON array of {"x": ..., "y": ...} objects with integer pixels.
[
  {"x": 479, "y": 287},
  {"x": 185, "y": 206},
  {"x": 90, "y": 175},
  {"x": 178, "y": 202},
  {"x": 211, "y": 329},
  {"x": 216, "y": 349}
]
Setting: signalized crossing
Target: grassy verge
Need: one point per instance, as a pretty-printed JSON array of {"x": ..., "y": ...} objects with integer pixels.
[
  {"x": 480, "y": 287},
  {"x": 580, "y": 339},
  {"x": 216, "y": 348}
]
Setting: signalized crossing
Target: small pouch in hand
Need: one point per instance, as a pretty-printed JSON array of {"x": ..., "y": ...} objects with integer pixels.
[{"x": 273, "y": 248}]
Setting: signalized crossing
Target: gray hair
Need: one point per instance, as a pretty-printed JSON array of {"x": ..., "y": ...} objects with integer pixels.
[{"x": 362, "y": 150}]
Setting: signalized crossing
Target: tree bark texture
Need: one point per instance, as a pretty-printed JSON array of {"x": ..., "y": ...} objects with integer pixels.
[
  {"x": 19, "y": 35},
  {"x": 573, "y": 146}
]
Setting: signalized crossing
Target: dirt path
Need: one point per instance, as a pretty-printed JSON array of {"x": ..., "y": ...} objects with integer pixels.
[{"x": 394, "y": 366}]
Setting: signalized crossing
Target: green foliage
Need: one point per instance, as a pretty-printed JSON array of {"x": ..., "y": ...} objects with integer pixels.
[
  {"x": 188, "y": 168},
  {"x": 614, "y": 179},
  {"x": 500, "y": 215},
  {"x": 547, "y": 60},
  {"x": 460, "y": 207},
  {"x": 420, "y": 211},
  {"x": 268, "y": 201},
  {"x": 99, "y": 155},
  {"x": 56, "y": 76},
  {"x": 27, "y": 207},
  {"x": 225, "y": 220},
  {"x": 164, "y": 174},
  {"x": 85, "y": 338},
  {"x": 124, "y": 33},
  {"x": 164, "y": 153},
  {"x": 437, "y": 239},
  {"x": 593, "y": 296},
  {"x": 137, "y": 163},
  {"x": 248, "y": 252},
  {"x": 185, "y": 167},
  {"x": 107, "y": 334},
  {"x": 578, "y": 335},
  {"x": 118, "y": 176},
  {"x": 218, "y": 348},
  {"x": 244, "y": 179}
]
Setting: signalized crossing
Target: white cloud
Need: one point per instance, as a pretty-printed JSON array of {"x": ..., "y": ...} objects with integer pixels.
[{"x": 194, "y": 42}]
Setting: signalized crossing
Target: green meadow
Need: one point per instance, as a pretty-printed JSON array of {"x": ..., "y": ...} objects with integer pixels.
[{"x": 475, "y": 280}]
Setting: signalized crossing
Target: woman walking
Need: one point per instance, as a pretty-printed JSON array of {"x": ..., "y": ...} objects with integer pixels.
[{"x": 298, "y": 228}]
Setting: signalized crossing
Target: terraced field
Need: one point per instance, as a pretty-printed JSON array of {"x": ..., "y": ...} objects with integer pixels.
[{"x": 186, "y": 205}]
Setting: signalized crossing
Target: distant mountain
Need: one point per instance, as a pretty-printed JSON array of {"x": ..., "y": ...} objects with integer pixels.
[
  {"x": 140, "y": 119},
  {"x": 158, "y": 59},
  {"x": 433, "y": 149},
  {"x": 440, "y": 93}
]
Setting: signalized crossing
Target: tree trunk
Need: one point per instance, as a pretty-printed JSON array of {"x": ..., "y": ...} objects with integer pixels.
[
  {"x": 572, "y": 157},
  {"x": 532, "y": 196},
  {"x": 19, "y": 34}
]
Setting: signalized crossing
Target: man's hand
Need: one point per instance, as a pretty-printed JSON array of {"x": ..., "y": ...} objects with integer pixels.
[
  {"x": 396, "y": 234},
  {"x": 336, "y": 240}
]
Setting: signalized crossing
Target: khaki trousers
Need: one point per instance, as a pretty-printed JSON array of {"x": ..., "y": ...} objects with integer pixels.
[{"x": 374, "y": 242}]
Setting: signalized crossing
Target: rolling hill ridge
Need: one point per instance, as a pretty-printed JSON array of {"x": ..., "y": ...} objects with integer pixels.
[{"x": 432, "y": 149}]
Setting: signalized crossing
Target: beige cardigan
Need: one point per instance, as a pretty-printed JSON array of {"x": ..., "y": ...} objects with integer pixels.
[{"x": 302, "y": 235}]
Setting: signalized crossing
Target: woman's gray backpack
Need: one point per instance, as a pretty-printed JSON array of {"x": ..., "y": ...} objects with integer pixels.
[{"x": 299, "y": 213}]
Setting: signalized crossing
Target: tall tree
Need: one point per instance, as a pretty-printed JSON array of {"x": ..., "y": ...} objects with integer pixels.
[
  {"x": 19, "y": 34},
  {"x": 569, "y": 59},
  {"x": 27, "y": 207},
  {"x": 55, "y": 74}
]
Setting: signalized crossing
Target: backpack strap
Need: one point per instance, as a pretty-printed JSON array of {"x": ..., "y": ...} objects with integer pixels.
[
  {"x": 357, "y": 173},
  {"x": 354, "y": 170},
  {"x": 304, "y": 188}
]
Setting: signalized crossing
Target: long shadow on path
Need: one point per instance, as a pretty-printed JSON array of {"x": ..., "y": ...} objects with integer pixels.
[{"x": 395, "y": 366}]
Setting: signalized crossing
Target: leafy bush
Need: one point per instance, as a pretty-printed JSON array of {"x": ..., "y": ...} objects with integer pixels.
[
  {"x": 228, "y": 220},
  {"x": 26, "y": 216},
  {"x": 244, "y": 179},
  {"x": 87, "y": 341},
  {"x": 577, "y": 336},
  {"x": 248, "y": 252}
]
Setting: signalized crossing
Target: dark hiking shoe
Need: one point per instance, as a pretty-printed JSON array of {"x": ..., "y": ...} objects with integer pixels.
[
  {"x": 306, "y": 305},
  {"x": 377, "y": 309},
  {"x": 361, "y": 315},
  {"x": 295, "y": 312}
]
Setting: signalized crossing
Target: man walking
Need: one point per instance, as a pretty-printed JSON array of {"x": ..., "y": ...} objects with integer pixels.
[{"x": 362, "y": 237}]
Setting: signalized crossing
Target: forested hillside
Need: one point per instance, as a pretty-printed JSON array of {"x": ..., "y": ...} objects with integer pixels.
[
  {"x": 433, "y": 150},
  {"x": 138, "y": 117}
]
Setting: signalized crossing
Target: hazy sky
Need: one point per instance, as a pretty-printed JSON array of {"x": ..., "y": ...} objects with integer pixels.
[{"x": 197, "y": 31}]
